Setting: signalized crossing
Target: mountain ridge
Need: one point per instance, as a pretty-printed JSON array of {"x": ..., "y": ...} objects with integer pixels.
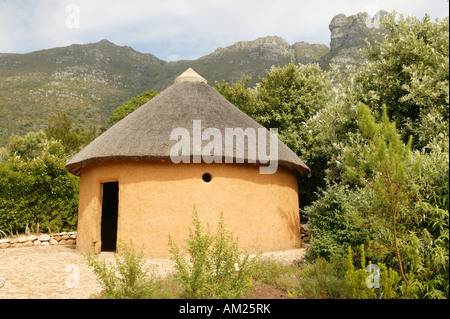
[{"x": 88, "y": 81}]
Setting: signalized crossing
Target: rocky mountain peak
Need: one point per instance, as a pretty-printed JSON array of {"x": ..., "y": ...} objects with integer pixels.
[
  {"x": 349, "y": 35},
  {"x": 269, "y": 47},
  {"x": 355, "y": 29},
  {"x": 106, "y": 42},
  {"x": 275, "y": 48}
]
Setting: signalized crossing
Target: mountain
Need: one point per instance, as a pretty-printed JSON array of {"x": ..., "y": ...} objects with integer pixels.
[
  {"x": 252, "y": 58},
  {"x": 85, "y": 81},
  {"x": 348, "y": 36},
  {"x": 88, "y": 81}
]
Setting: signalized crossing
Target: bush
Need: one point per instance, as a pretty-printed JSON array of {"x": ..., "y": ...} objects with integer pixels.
[
  {"x": 333, "y": 224},
  {"x": 127, "y": 279},
  {"x": 360, "y": 283},
  {"x": 320, "y": 280},
  {"x": 340, "y": 279},
  {"x": 215, "y": 268},
  {"x": 395, "y": 201},
  {"x": 274, "y": 272},
  {"x": 36, "y": 190}
]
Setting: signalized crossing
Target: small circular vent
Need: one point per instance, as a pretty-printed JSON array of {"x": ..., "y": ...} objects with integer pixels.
[{"x": 206, "y": 177}]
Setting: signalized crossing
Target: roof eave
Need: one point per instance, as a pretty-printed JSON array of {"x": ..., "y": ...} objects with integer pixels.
[{"x": 76, "y": 168}]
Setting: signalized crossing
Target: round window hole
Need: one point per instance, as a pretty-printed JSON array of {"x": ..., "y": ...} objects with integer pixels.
[{"x": 206, "y": 177}]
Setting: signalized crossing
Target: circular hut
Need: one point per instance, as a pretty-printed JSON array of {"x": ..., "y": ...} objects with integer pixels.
[{"x": 187, "y": 147}]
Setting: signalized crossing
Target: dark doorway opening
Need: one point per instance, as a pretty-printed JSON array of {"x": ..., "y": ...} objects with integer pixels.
[{"x": 110, "y": 212}]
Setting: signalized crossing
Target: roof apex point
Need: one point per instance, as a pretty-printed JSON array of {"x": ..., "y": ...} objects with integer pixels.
[{"x": 190, "y": 76}]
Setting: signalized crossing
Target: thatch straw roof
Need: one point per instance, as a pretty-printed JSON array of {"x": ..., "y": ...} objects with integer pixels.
[{"x": 145, "y": 133}]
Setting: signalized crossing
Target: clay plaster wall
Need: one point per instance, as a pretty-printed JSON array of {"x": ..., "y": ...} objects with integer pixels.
[{"x": 156, "y": 199}]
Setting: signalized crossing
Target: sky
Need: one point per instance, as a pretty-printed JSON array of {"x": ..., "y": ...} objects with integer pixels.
[{"x": 182, "y": 29}]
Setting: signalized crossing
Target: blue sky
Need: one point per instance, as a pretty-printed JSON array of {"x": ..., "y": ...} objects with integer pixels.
[{"x": 182, "y": 29}]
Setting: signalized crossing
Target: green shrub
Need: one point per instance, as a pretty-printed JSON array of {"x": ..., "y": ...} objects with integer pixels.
[
  {"x": 36, "y": 190},
  {"x": 340, "y": 279},
  {"x": 360, "y": 284},
  {"x": 127, "y": 279},
  {"x": 215, "y": 268},
  {"x": 333, "y": 224},
  {"x": 320, "y": 280},
  {"x": 271, "y": 269}
]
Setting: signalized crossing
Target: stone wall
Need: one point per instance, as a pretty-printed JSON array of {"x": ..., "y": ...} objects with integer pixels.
[{"x": 64, "y": 238}]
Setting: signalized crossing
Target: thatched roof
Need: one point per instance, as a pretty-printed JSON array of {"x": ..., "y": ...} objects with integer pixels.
[{"x": 145, "y": 133}]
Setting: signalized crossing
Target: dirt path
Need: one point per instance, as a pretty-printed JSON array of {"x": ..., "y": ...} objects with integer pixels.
[
  {"x": 52, "y": 272},
  {"x": 61, "y": 272}
]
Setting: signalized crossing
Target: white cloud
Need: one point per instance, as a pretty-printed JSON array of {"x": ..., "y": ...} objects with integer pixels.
[{"x": 182, "y": 29}]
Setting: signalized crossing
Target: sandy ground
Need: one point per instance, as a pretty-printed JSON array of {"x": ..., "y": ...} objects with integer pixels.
[{"x": 62, "y": 272}]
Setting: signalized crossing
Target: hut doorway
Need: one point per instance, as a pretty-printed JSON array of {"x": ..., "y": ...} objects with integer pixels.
[{"x": 110, "y": 212}]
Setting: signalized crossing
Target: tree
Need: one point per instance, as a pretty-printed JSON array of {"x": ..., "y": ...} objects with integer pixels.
[
  {"x": 387, "y": 183},
  {"x": 289, "y": 96},
  {"x": 386, "y": 168},
  {"x": 401, "y": 216},
  {"x": 286, "y": 99},
  {"x": 409, "y": 73},
  {"x": 26, "y": 147},
  {"x": 239, "y": 94},
  {"x": 59, "y": 128},
  {"x": 126, "y": 108}
]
